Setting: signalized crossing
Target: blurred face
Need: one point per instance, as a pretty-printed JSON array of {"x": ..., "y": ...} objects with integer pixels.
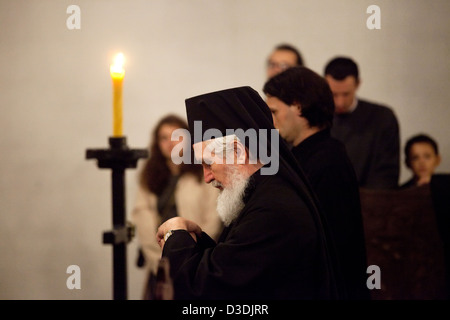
[
  {"x": 285, "y": 118},
  {"x": 279, "y": 61},
  {"x": 164, "y": 139},
  {"x": 423, "y": 160},
  {"x": 344, "y": 92}
]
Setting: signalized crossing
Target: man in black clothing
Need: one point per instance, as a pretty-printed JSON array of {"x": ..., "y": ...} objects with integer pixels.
[
  {"x": 302, "y": 108},
  {"x": 369, "y": 131},
  {"x": 274, "y": 244}
]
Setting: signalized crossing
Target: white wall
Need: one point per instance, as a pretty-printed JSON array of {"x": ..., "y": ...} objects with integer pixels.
[{"x": 55, "y": 102}]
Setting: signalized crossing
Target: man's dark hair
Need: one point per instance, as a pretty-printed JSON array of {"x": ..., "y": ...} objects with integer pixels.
[
  {"x": 342, "y": 67},
  {"x": 420, "y": 138},
  {"x": 288, "y": 47},
  {"x": 300, "y": 85}
]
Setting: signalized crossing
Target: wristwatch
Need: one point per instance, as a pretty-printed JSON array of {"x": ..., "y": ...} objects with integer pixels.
[{"x": 168, "y": 234}]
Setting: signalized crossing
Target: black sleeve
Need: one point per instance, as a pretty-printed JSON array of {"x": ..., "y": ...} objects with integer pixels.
[
  {"x": 245, "y": 265},
  {"x": 386, "y": 164},
  {"x": 180, "y": 246}
]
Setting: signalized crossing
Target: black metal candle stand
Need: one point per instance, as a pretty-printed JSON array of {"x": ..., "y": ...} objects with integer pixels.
[{"x": 118, "y": 157}]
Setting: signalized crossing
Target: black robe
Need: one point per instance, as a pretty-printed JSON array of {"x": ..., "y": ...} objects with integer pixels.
[
  {"x": 273, "y": 250},
  {"x": 328, "y": 168}
]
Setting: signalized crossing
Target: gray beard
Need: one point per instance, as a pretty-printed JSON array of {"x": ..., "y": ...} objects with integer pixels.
[{"x": 230, "y": 200}]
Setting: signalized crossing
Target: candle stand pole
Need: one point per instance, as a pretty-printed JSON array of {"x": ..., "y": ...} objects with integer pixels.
[{"x": 118, "y": 158}]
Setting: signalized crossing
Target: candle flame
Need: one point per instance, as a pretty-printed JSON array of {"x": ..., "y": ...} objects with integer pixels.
[{"x": 117, "y": 67}]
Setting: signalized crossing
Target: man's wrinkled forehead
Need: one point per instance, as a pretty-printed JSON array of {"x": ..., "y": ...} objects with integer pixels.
[
  {"x": 200, "y": 153},
  {"x": 212, "y": 151},
  {"x": 198, "y": 150}
]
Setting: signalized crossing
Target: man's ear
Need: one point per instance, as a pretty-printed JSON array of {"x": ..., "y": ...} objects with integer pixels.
[
  {"x": 438, "y": 160},
  {"x": 298, "y": 108},
  {"x": 240, "y": 152},
  {"x": 357, "y": 83}
]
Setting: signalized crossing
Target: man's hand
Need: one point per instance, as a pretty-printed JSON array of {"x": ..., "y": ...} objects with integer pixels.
[{"x": 177, "y": 223}]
